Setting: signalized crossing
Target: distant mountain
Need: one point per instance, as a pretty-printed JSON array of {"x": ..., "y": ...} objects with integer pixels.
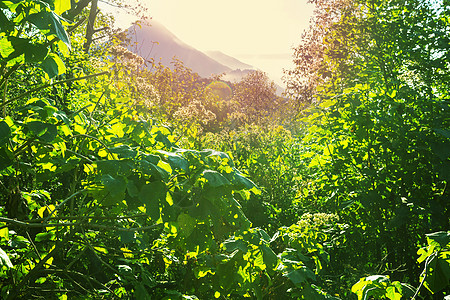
[
  {"x": 156, "y": 41},
  {"x": 228, "y": 61},
  {"x": 153, "y": 40}
]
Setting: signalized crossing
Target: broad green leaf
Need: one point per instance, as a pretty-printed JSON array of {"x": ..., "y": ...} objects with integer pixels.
[
  {"x": 270, "y": 258},
  {"x": 47, "y": 20},
  {"x": 45, "y": 236},
  {"x": 140, "y": 292},
  {"x": 153, "y": 170},
  {"x": 6, "y": 47},
  {"x": 240, "y": 181},
  {"x": 116, "y": 186},
  {"x": 5, "y": 24},
  {"x": 441, "y": 237},
  {"x": 124, "y": 151},
  {"x": 53, "y": 65},
  {"x": 35, "y": 53},
  {"x": 233, "y": 244},
  {"x": 186, "y": 224},
  {"x": 5, "y": 132},
  {"x": 161, "y": 137},
  {"x": 5, "y": 158},
  {"x": 215, "y": 179},
  {"x": 127, "y": 237},
  {"x": 115, "y": 166},
  {"x": 132, "y": 189},
  {"x": 438, "y": 277},
  {"x": 151, "y": 194},
  {"x": 19, "y": 47},
  {"x": 44, "y": 131},
  {"x": 443, "y": 132},
  {"x": 301, "y": 275},
  {"x": 442, "y": 149},
  {"x": 176, "y": 161},
  {"x": 154, "y": 159}
]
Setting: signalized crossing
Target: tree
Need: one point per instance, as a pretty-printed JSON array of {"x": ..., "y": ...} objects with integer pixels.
[
  {"x": 375, "y": 77},
  {"x": 256, "y": 96}
]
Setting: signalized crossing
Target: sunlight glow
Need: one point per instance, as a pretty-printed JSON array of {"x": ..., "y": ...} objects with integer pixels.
[{"x": 258, "y": 32}]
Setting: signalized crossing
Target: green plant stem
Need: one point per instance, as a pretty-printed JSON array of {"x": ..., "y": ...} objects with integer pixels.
[
  {"x": 87, "y": 277},
  {"x": 24, "y": 283},
  {"x": 96, "y": 139},
  {"x": 4, "y": 97},
  {"x": 62, "y": 203},
  {"x": 52, "y": 84},
  {"x": 6, "y": 76},
  {"x": 40, "y": 220},
  {"x": 77, "y": 224},
  {"x": 429, "y": 258}
]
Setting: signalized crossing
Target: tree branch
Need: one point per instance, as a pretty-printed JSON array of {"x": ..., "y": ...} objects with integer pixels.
[
  {"x": 52, "y": 84},
  {"x": 78, "y": 224}
]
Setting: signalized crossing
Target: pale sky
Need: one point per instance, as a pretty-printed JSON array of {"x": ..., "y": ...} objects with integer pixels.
[{"x": 258, "y": 32}]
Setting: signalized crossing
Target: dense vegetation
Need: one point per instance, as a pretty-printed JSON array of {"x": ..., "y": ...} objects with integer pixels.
[{"x": 121, "y": 178}]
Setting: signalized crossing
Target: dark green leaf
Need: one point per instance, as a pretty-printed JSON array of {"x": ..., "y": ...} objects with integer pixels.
[
  {"x": 215, "y": 179},
  {"x": 441, "y": 237},
  {"x": 5, "y": 132},
  {"x": 176, "y": 161},
  {"x": 114, "y": 167},
  {"x": 5, "y": 24},
  {"x": 153, "y": 159},
  {"x": 241, "y": 182},
  {"x": 36, "y": 53},
  {"x": 160, "y": 137},
  {"x": 309, "y": 292},
  {"x": 153, "y": 170},
  {"x": 438, "y": 277},
  {"x": 53, "y": 65},
  {"x": 45, "y": 236},
  {"x": 127, "y": 237},
  {"x": 132, "y": 189},
  {"x": 141, "y": 292},
  {"x": 443, "y": 132},
  {"x": 44, "y": 131},
  {"x": 186, "y": 224},
  {"x": 233, "y": 244},
  {"x": 300, "y": 276},
  {"x": 5, "y": 160},
  {"x": 47, "y": 20},
  {"x": 151, "y": 194},
  {"x": 124, "y": 151},
  {"x": 19, "y": 46},
  {"x": 116, "y": 186},
  {"x": 269, "y": 257}
]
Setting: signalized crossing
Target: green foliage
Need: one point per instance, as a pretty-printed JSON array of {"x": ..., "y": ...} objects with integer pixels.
[
  {"x": 380, "y": 287},
  {"x": 98, "y": 201},
  {"x": 436, "y": 274},
  {"x": 376, "y": 147},
  {"x": 269, "y": 155},
  {"x": 107, "y": 191},
  {"x": 46, "y": 33}
]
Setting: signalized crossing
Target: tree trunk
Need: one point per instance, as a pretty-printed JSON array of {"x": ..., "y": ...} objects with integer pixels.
[{"x": 90, "y": 26}]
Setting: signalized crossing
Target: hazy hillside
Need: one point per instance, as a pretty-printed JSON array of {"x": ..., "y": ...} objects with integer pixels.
[
  {"x": 228, "y": 61},
  {"x": 156, "y": 41}
]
